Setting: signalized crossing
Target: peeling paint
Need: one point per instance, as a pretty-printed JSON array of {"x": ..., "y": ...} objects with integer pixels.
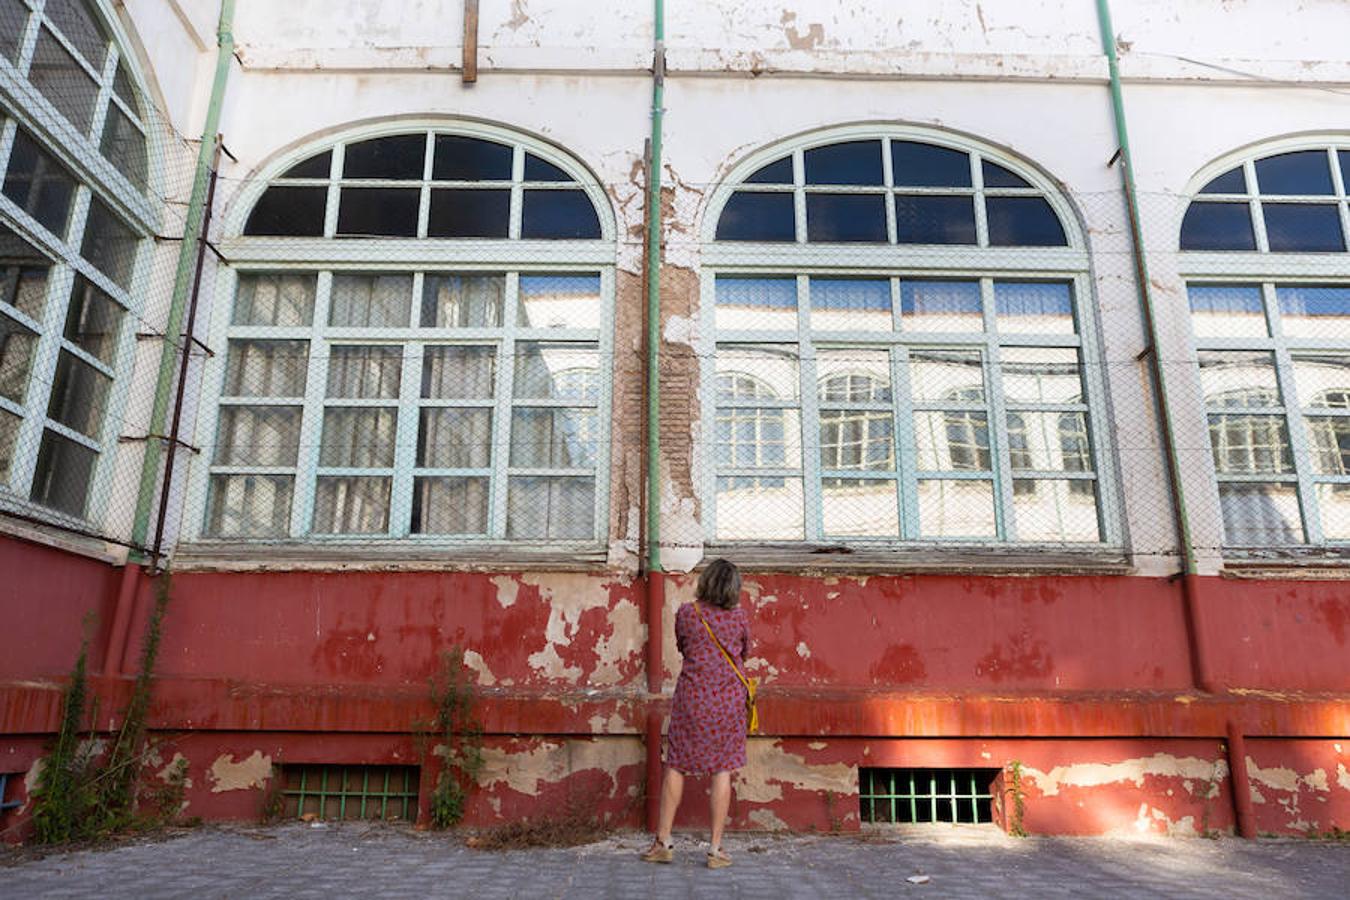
[
  {"x": 803, "y": 651},
  {"x": 767, "y": 820},
  {"x": 474, "y": 661},
  {"x": 1283, "y": 778},
  {"x": 227, "y": 775},
  {"x": 1164, "y": 765},
  {"x": 768, "y": 767},
  {"x": 1343, "y": 776},
  {"x": 527, "y": 771},
  {"x": 568, "y": 597},
  {"x": 507, "y": 590}
]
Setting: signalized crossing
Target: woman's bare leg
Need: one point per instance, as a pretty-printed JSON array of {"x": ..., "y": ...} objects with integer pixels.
[
  {"x": 672, "y": 789},
  {"x": 719, "y": 801}
]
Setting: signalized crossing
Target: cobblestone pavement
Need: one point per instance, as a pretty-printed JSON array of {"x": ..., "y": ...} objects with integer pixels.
[{"x": 299, "y": 861}]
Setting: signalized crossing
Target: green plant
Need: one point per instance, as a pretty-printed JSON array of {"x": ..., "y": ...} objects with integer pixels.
[
  {"x": 64, "y": 796},
  {"x": 1018, "y": 794},
  {"x": 458, "y": 737}
]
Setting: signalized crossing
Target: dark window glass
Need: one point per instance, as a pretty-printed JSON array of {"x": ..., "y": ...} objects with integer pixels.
[
  {"x": 1218, "y": 226},
  {"x": 1023, "y": 222},
  {"x": 401, "y": 156},
  {"x": 776, "y": 172},
  {"x": 470, "y": 159},
  {"x": 537, "y": 169},
  {"x": 1344, "y": 157},
  {"x": 125, "y": 89},
  {"x": 1304, "y": 172},
  {"x": 79, "y": 395},
  {"x": 63, "y": 81},
  {"x": 17, "y": 344},
  {"x": 846, "y": 217},
  {"x": 934, "y": 220},
  {"x": 923, "y": 165},
  {"x": 39, "y": 184},
  {"x": 995, "y": 176},
  {"x": 93, "y": 320},
  {"x": 852, "y": 162},
  {"x": 757, "y": 217},
  {"x": 289, "y": 212},
  {"x": 82, "y": 27},
  {"x": 1234, "y": 181},
  {"x": 1292, "y": 227},
  {"x": 64, "y": 470},
  {"x": 382, "y": 212},
  {"x": 315, "y": 167},
  {"x": 109, "y": 244},
  {"x": 13, "y": 20},
  {"x": 123, "y": 145},
  {"x": 464, "y": 212},
  {"x": 558, "y": 214}
]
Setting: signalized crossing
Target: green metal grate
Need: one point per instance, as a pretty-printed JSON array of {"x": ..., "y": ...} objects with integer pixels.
[
  {"x": 350, "y": 792},
  {"x": 926, "y": 795}
]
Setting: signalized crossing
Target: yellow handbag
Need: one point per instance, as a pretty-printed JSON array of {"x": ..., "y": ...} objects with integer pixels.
[{"x": 751, "y": 684}]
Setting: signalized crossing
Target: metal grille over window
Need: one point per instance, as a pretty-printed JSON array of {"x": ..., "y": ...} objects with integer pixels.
[
  {"x": 911, "y": 796},
  {"x": 337, "y": 792}
]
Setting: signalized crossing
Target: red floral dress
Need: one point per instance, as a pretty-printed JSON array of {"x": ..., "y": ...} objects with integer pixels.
[{"x": 707, "y": 717}]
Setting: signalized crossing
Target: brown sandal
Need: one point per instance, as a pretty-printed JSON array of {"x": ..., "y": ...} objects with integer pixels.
[
  {"x": 659, "y": 853},
  {"x": 717, "y": 859}
]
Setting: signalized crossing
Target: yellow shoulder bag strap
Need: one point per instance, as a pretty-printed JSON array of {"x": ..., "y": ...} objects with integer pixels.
[{"x": 751, "y": 684}]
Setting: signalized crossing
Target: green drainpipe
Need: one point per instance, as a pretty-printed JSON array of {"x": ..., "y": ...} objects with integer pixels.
[
  {"x": 182, "y": 285},
  {"x": 654, "y": 299}
]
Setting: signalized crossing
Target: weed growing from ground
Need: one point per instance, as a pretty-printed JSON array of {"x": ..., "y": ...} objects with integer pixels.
[{"x": 458, "y": 736}]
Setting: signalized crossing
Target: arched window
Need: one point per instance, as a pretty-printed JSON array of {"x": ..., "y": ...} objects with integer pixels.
[
  {"x": 415, "y": 345},
  {"x": 1274, "y": 342},
  {"x": 73, "y": 213},
  {"x": 904, "y": 293}
]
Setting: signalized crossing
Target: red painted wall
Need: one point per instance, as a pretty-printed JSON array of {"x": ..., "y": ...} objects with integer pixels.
[{"x": 49, "y": 601}]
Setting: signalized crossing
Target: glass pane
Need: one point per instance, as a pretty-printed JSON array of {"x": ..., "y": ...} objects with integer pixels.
[
  {"x": 554, "y": 438},
  {"x": 1049, "y": 441},
  {"x": 93, "y": 321},
  {"x": 39, "y": 185},
  {"x": 765, "y": 509},
  {"x": 470, "y": 159},
  {"x": 1329, "y": 444},
  {"x": 1023, "y": 222},
  {"x": 559, "y": 215},
  {"x": 858, "y": 508},
  {"x": 63, "y": 81},
  {"x": 109, "y": 244},
  {"x": 278, "y": 299},
  {"x": 854, "y": 375},
  {"x": 1322, "y": 381},
  {"x": 946, "y": 376},
  {"x": 856, "y": 440},
  {"x": 455, "y": 439},
  {"x": 1314, "y": 311},
  {"x": 537, "y": 169},
  {"x": 1034, "y": 307},
  {"x": 79, "y": 395},
  {"x": 846, "y": 217},
  {"x": 255, "y": 506},
  {"x": 845, "y": 304},
  {"x": 547, "y": 371},
  {"x": 1249, "y": 444},
  {"x": 82, "y": 27},
  {"x": 1260, "y": 515},
  {"x": 378, "y": 212},
  {"x": 1301, "y": 172},
  {"x": 552, "y": 508},
  {"x": 365, "y": 372},
  {"x": 559, "y": 301},
  {"x": 459, "y": 372},
  {"x": 1333, "y": 506},
  {"x": 934, "y": 220},
  {"x": 756, "y": 373},
  {"x": 317, "y": 166},
  {"x": 466, "y": 212},
  {"x": 1303, "y": 227},
  {"x": 995, "y": 176},
  {"x": 754, "y": 438},
  {"x": 399, "y": 157},
  {"x": 358, "y": 438},
  {"x": 952, "y": 441},
  {"x": 941, "y": 306},
  {"x": 1040, "y": 375},
  {"x": 1227, "y": 310},
  {"x": 851, "y": 162},
  {"x": 1343, "y": 156},
  {"x": 777, "y": 172},
  {"x": 266, "y": 368},
  {"x": 17, "y": 345},
  {"x": 23, "y": 287},
  {"x": 371, "y": 301},
  {"x": 1055, "y": 511},
  {"x": 1234, "y": 181},
  {"x": 1218, "y": 226},
  {"x": 257, "y": 436},
  {"x": 757, "y": 217},
  {"x": 756, "y": 304},
  {"x": 451, "y": 300},
  {"x": 289, "y": 212},
  {"x": 9, "y": 423},
  {"x": 1238, "y": 379},
  {"x": 13, "y": 20},
  {"x": 64, "y": 471},
  {"x": 450, "y": 506},
  {"x": 351, "y": 505},
  {"x": 924, "y": 165},
  {"x": 123, "y": 145},
  {"x": 956, "y": 508}
]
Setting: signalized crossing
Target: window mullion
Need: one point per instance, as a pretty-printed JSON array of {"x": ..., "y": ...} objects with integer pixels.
[
  {"x": 311, "y": 422},
  {"x": 405, "y": 435},
  {"x": 105, "y": 90},
  {"x": 501, "y": 415},
  {"x": 799, "y": 194},
  {"x": 40, "y": 379},
  {"x": 888, "y": 179},
  {"x": 424, "y": 196},
  {"x": 810, "y": 417},
  {"x": 517, "y": 210},
  {"x": 604, "y": 425},
  {"x": 981, "y": 216},
  {"x": 1005, "y": 527},
  {"x": 1254, "y": 205},
  {"x": 1298, "y": 444},
  {"x": 330, "y": 218},
  {"x": 1095, "y": 383},
  {"x": 28, "y": 46},
  {"x": 907, "y": 456}
]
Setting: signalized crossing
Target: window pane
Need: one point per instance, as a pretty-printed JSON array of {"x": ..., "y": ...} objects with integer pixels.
[
  {"x": 756, "y": 304},
  {"x": 1302, "y": 227},
  {"x": 995, "y": 176},
  {"x": 450, "y": 506},
  {"x": 1218, "y": 226},
  {"x": 845, "y": 304},
  {"x": 351, "y": 505},
  {"x": 952, "y": 441},
  {"x": 946, "y": 375},
  {"x": 289, "y": 212},
  {"x": 371, "y": 301},
  {"x": 317, "y": 166},
  {"x": 1023, "y": 222},
  {"x": 365, "y": 372},
  {"x": 561, "y": 215},
  {"x": 537, "y": 169},
  {"x": 256, "y": 506},
  {"x": 1301, "y": 172},
  {"x": 853, "y": 376},
  {"x": 9, "y": 423},
  {"x": 1234, "y": 181},
  {"x": 378, "y": 212},
  {"x": 1343, "y": 156},
  {"x": 1249, "y": 444},
  {"x": 109, "y": 244},
  {"x": 553, "y": 438},
  {"x": 64, "y": 471},
  {"x": 278, "y": 299},
  {"x": 559, "y": 301},
  {"x": 1329, "y": 445},
  {"x": 79, "y": 395},
  {"x": 455, "y": 439},
  {"x": 941, "y": 306},
  {"x": 17, "y": 345},
  {"x": 257, "y": 436},
  {"x": 1055, "y": 511},
  {"x": 397, "y": 157},
  {"x": 63, "y": 81},
  {"x": 934, "y": 220},
  {"x": 93, "y": 321},
  {"x": 547, "y": 371},
  {"x": 358, "y": 438},
  {"x": 81, "y": 26},
  {"x": 777, "y": 172},
  {"x": 1040, "y": 375},
  {"x": 846, "y": 217},
  {"x": 924, "y": 165},
  {"x": 1322, "y": 381},
  {"x": 39, "y": 185},
  {"x": 1034, "y": 307},
  {"x": 1333, "y": 506},
  {"x": 757, "y": 217},
  {"x": 1260, "y": 515},
  {"x": 266, "y": 368},
  {"x": 757, "y": 373},
  {"x": 851, "y": 162},
  {"x": 465, "y": 212},
  {"x": 23, "y": 287},
  {"x": 858, "y": 508},
  {"x": 458, "y": 372},
  {"x": 539, "y": 508},
  {"x": 13, "y": 20},
  {"x": 1314, "y": 311},
  {"x": 1227, "y": 310},
  {"x": 757, "y": 438},
  {"x": 462, "y": 301},
  {"x": 856, "y": 440},
  {"x": 765, "y": 509},
  {"x": 956, "y": 508},
  {"x": 1049, "y": 441},
  {"x": 124, "y": 146},
  {"x": 1238, "y": 379},
  {"x": 470, "y": 159}
]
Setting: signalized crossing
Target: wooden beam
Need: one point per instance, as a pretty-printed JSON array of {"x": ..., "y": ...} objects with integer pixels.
[{"x": 470, "y": 69}]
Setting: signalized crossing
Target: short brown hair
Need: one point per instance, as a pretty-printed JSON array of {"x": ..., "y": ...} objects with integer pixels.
[{"x": 720, "y": 585}]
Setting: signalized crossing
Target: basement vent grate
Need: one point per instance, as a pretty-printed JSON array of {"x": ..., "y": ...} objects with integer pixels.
[
  {"x": 349, "y": 792},
  {"x": 926, "y": 795}
]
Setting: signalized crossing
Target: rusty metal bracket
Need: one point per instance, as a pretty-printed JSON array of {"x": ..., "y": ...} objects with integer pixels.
[
  {"x": 156, "y": 336},
  {"x": 155, "y": 436}
]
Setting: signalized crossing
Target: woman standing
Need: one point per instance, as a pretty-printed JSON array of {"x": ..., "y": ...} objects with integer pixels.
[{"x": 708, "y": 716}]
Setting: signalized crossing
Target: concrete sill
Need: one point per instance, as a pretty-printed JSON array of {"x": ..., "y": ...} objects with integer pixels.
[
  {"x": 933, "y": 559},
  {"x": 226, "y": 556}
]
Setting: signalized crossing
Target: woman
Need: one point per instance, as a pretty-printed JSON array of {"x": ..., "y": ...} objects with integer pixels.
[{"x": 707, "y": 717}]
